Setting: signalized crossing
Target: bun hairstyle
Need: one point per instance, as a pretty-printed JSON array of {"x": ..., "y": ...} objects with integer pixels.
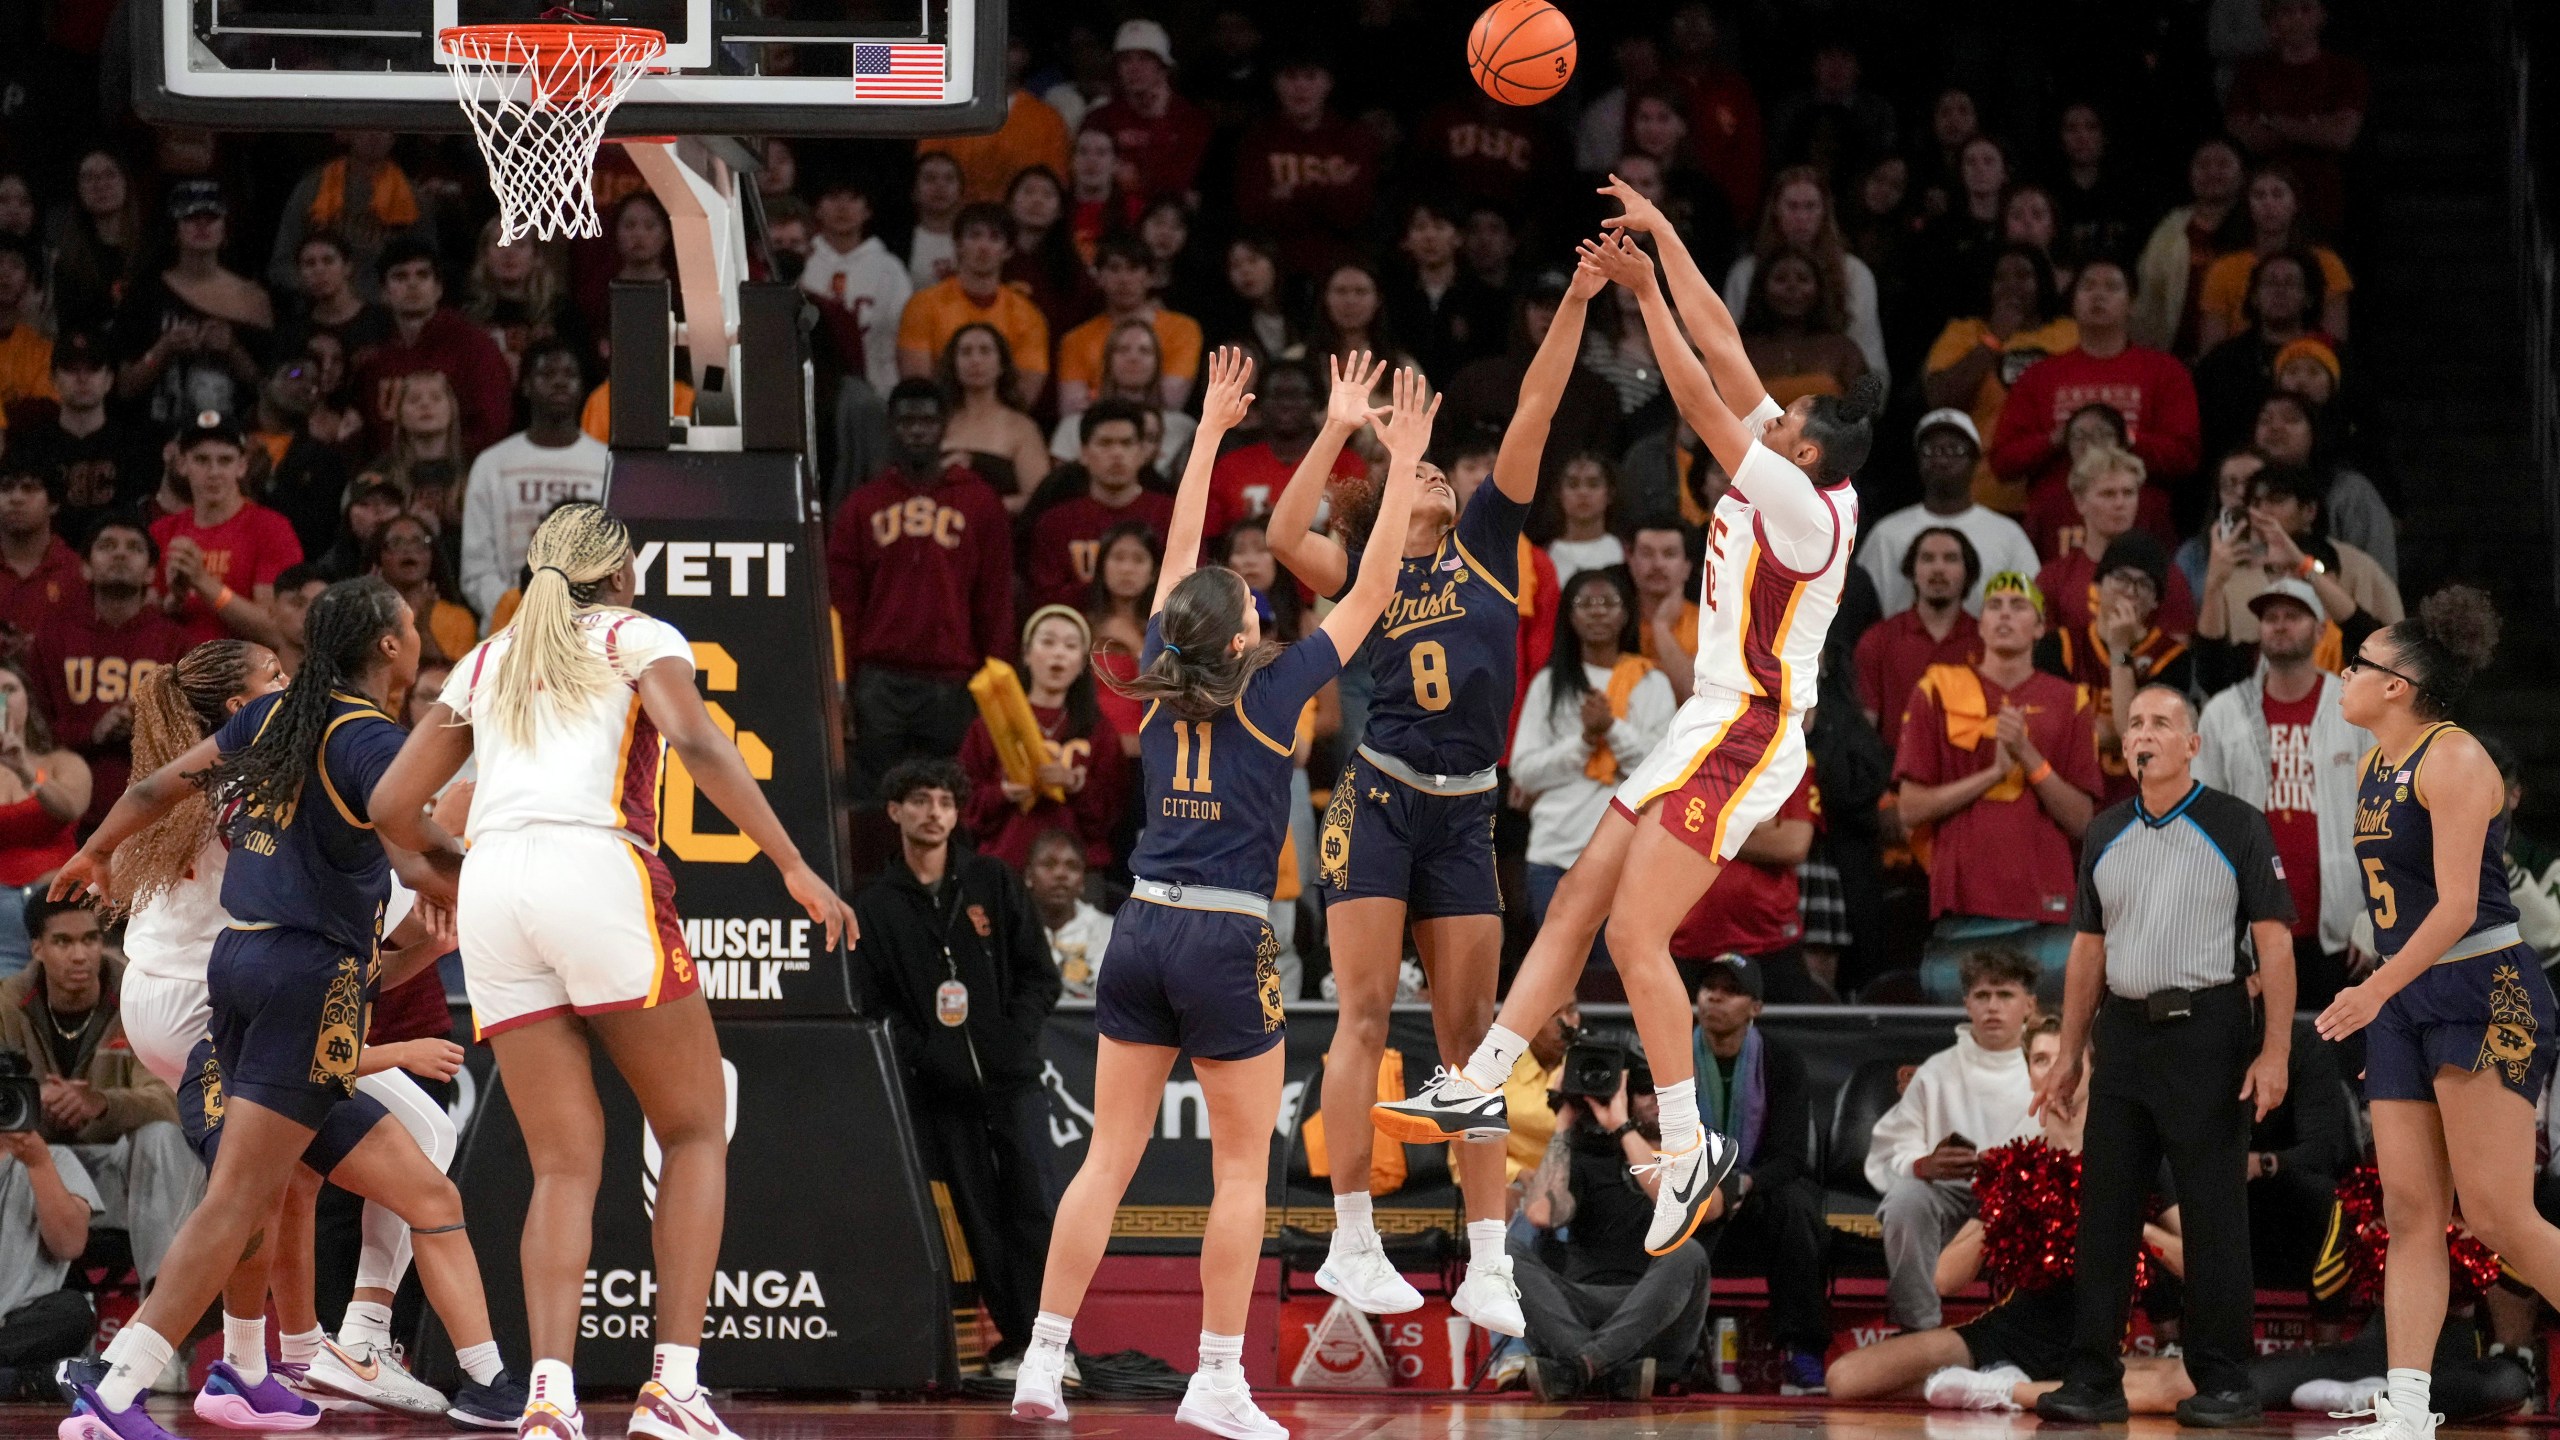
[
  {"x": 2446, "y": 645},
  {"x": 1844, "y": 428},
  {"x": 1199, "y": 672}
]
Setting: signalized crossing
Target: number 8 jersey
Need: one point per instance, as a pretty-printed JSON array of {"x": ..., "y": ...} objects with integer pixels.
[{"x": 1445, "y": 657}]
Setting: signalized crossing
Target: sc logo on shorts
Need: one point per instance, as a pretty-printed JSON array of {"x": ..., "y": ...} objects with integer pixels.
[{"x": 1696, "y": 815}]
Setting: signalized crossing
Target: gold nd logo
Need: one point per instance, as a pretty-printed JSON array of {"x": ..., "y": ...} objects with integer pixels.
[
  {"x": 719, "y": 672},
  {"x": 1696, "y": 818}
]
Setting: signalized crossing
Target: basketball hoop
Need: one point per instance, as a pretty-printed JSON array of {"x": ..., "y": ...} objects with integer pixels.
[{"x": 538, "y": 97}]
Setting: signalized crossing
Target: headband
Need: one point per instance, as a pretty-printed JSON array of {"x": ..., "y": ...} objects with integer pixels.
[{"x": 2015, "y": 582}]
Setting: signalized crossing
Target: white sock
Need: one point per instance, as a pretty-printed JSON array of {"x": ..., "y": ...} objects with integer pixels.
[
  {"x": 1678, "y": 1106},
  {"x": 1490, "y": 1067},
  {"x": 1355, "y": 1225},
  {"x": 551, "y": 1384},
  {"x": 2338, "y": 1396},
  {"x": 673, "y": 1367},
  {"x": 299, "y": 1349},
  {"x": 367, "y": 1322},
  {"x": 2408, "y": 1390},
  {"x": 1051, "y": 1329},
  {"x": 480, "y": 1361},
  {"x": 244, "y": 1345},
  {"x": 134, "y": 1359},
  {"x": 1222, "y": 1357},
  {"x": 1485, "y": 1243}
]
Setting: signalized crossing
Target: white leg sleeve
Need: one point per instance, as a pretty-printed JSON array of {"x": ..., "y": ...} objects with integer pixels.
[{"x": 385, "y": 1260}]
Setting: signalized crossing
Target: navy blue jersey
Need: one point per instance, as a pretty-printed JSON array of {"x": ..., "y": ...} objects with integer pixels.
[
  {"x": 2396, "y": 849},
  {"x": 317, "y": 867},
  {"x": 1445, "y": 657},
  {"x": 1218, "y": 789}
]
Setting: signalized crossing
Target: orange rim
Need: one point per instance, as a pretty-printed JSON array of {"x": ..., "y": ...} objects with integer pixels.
[{"x": 569, "y": 63}]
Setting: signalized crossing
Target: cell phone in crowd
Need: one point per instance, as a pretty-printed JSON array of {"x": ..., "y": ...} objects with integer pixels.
[
  {"x": 2233, "y": 523},
  {"x": 1957, "y": 1138}
]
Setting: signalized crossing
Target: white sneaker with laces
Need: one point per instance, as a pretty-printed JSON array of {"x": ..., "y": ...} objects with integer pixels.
[
  {"x": 1358, "y": 1272},
  {"x": 545, "y": 1421},
  {"x": 657, "y": 1413},
  {"x": 1038, "y": 1391},
  {"x": 2388, "y": 1422},
  {"x": 1958, "y": 1388},
  {"x": 1449, "y": 1108},
  {"x": 373, "y": 1375},
  {"x": 1491, "y": 1299},
  {"x": 1225, "y": 1406},
  {"x": 1689, "y": 1181}
]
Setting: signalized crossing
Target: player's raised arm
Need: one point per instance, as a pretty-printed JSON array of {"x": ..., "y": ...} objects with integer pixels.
[
  {"x": 1222, "y": 408},
  {"x": 1692, "y": 298},
  {"x": 1407, "y": 434},
  {"x": 92, "y": 870},
  {"x": 1315, "y": 558},
  {"x": 1524, "y": 442},
  {"x": 1707, "y": 413}
]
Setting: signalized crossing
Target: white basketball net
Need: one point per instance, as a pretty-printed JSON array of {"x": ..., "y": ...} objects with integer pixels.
[{"x": 538, "y": 98}]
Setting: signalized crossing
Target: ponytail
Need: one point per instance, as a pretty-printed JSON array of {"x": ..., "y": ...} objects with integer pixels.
[
  {"x": 342, "y": 632},
  {"x": 1199, "y": 672},
  {"x": 548, "y": 667},
  {"x": 174, "y": 708}
]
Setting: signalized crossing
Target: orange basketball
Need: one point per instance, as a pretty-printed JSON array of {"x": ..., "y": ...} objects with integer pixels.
[{"x": 1521, "y": 51}]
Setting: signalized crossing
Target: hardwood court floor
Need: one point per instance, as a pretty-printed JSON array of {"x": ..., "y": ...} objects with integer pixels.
[{"x": 1393, "y": 1417}]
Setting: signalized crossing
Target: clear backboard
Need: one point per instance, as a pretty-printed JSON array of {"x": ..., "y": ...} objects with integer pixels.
[{"x": 735, "y": 67}]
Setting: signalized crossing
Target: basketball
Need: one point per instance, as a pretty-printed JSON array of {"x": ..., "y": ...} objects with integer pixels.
[{"x": 1521, "y": 51}]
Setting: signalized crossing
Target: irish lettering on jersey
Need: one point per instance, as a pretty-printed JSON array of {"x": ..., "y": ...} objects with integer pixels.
[{"x": 1444, "y": 660}]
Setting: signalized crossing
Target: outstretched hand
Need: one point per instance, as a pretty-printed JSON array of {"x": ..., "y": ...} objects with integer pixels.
[
  {"x": 1354, "y": 381},
  {"x": 1588, "y": 280},
  {"x": 1407, "y": 432},
  {"x": 1641, "y": 214},
  {"x": 1617, "y": 258},
  {"x": 1225, "y": 404}
]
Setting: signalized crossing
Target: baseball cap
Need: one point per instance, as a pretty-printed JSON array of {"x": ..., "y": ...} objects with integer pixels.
[
  {"x": 2015, "y": 582},
  {"x": 80, "y": 350},
  {"x": 196, "y": 197},
  {"x": 2137, "y": 550},
  {"x": 209, "y": 425},
  {"x": 1951, "y": 418},
  {"x": 1144, "y": 35},
  {"x": 2291, "y": 588},
  {"x": 1736, "y": 970},
  {"x": 1550, "y": 284}
]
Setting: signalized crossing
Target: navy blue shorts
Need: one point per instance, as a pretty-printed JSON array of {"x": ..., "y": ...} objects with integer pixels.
[
  {"x": 289, "y": 1011},
  {"x": 2490, "y": 1012},
  {"x": 200, "y": 1102},
  {"x": 1384, "y": 839},
  {"x": 1206, "y": 982}
]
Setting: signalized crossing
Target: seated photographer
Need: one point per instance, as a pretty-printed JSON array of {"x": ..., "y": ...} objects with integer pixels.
[
  {"x": 1751, "y": 1086},
  {"x": 60, "y": 1016},
  {"x": 1970, "y": 1095},
  {"x": 46, "y": 1202},
  {"x": 1611, "y": 1318}
]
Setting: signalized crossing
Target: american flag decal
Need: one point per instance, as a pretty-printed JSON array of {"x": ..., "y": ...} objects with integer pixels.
[{"x": 897, "y": 72}]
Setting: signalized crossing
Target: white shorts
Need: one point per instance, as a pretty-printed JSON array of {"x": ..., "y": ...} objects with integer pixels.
[
  {"x": 1727, "y": 764},
  {"x": 163, "y": 1020},
  {"x": 567, "y": 919}
]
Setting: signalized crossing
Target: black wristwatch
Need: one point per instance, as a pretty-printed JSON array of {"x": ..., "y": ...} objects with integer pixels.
[{"x": 1623, "y": 1131}]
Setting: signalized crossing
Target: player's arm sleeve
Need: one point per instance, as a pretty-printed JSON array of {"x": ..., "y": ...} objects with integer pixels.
[
  {"x": 1490, "y": 528},
  {"x": 1798, "y": 523}
]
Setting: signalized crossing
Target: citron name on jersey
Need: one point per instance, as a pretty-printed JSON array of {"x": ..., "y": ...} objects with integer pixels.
[
  {"x": 1184, "y": 807},
  {"x": 1407, "y": 613},
  {"x": 714, "y": 567}
]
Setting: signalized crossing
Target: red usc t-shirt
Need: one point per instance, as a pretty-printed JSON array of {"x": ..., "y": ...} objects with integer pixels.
[
  {"x": 1751, "y": 909},
  {"x": 83, "y": 669},
  {"x": 248, "y": 550},
  {"x": 2292, "y": 804},
  {"x": 1247, "y": 481},
  {"x": 1066, "y": 544},
  {"x": 2002, "y": 857}
]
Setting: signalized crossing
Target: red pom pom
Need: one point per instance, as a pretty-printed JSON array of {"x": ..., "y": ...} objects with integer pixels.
[
  {"x": 2029, "y": 1197},
  {"x": 2366, "y": 1240}
]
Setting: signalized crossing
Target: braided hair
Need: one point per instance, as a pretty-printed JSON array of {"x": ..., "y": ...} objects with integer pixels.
[
  {"x": 341, "y": 639},
  {"x": 548, "y": 667},
  {"x": 1200, "y": 672},
  {"x": 174, "y": 708}
]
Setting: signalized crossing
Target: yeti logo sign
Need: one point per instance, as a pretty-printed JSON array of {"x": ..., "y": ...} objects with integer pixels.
[{"x": 729, "y": 554}]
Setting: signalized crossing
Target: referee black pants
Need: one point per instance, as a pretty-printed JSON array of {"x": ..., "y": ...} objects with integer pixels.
[{"x": 2168, "y": 1090}]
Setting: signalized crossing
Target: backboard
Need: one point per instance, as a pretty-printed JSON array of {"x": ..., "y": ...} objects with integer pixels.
[{"x": 736, "y": 67}]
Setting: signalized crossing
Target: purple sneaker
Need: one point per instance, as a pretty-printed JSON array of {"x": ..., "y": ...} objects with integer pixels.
[
  {"x": 235, "y": 1404},
  {"x": 90, "y": 1419}
]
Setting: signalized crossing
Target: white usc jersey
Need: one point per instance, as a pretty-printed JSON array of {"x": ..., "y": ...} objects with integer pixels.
[
  {"x": 598, "y": 767},
  {"x": 1777, "y": 555}
]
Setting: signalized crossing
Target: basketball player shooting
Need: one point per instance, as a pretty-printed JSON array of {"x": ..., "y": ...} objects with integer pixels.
[{"x": 1777, "y": 551}]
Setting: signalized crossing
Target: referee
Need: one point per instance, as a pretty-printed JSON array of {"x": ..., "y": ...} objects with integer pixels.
[{"x": 2175, "y": 884}]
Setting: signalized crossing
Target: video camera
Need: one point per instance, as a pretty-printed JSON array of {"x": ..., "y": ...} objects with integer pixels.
[
  {"x": 21, "y": 1095},
  {"x": 1596, "y": 1061}
]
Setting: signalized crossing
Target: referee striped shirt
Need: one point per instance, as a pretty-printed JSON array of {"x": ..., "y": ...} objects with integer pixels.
[{"x": 2174, "y": 894}]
